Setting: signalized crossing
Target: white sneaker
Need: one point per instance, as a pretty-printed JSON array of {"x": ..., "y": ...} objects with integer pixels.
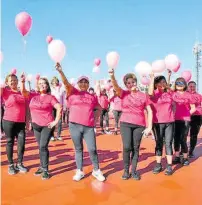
[
  {"x": 98, "y": 175},
  {"x": 52, "y": 138},
  {"x": 78, "y": 176},
  {"x": 59, "y": 138},
  {"x": 107, "y": 132}
]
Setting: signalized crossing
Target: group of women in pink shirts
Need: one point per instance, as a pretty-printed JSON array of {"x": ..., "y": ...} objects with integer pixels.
[{"x": 171, "y": 114}]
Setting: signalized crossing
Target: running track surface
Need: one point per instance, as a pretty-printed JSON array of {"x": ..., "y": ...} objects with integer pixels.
[{"x": 184, "y": 187}]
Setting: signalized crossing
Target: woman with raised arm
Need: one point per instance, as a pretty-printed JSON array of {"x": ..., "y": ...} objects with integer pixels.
[
  {"x": 41, "y": 108},
  {"x": 81, "y": 123},
  {"x": 184, "y": 109},
  {"x": 58, "y": 92},
  {"x": 196, "y": 117},
  {"x": 132, "y": 122},
  {"x": 14, "y": 122},
  {"x": 163, "y": 120}
]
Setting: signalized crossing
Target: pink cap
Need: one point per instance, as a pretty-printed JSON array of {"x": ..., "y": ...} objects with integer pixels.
[{"x": 83, "y": 78}]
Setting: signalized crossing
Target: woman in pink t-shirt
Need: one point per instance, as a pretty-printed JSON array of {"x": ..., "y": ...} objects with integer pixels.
[
  {"x": 196, "y": 117},
  {"x": 81, "y": 123},
  {"x": 184, "y": 109},
  {"x": 163, "y": 120},
  {"x": 104, "y": 115},
  {"x": 14, "y": 122},
  {"x": 41, "y": 109},
  {"x": 116, "y": 100},
  {"x": 132, "y": 121}
]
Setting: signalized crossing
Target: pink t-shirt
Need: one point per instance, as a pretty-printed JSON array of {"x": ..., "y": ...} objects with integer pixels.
[
  {"x": 41, "y": 108},
  {"x": 133, "y": 106},
  {"x": 14, "y": 105},
  {"x": 197, "y": 99},
  {"x": 103, "y": 101},
  {"x": 162, "y": 107},
  {"x": 116, "y": 103},
  {"x": 182, "y": 101},
  {"x": 81, "y": 107}
]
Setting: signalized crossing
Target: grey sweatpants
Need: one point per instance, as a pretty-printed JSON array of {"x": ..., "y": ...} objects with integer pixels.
[{"x": 78, "y": 133}]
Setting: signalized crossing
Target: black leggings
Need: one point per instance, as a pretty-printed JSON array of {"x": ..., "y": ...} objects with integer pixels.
[
  {"x": 117, "y": 115},
  {"x": 131, "y": 137},
  {"x": 12, "y": 130},
  {"x": 195, "y": 124},
  {"x": 104, "y": 114},
  {"x": 43, "y": 135},
  {"x": 163, "y": 133},
  {"x": 180, "y": 136},
  {"x": 2, "y": 115}
]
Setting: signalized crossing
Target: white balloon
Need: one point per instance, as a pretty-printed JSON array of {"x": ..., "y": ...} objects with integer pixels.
[
  {"x": 112, "y": 59},
  {"x": 29, "y": 77},
  {"x": 143, "y": 68},
  {"x": 172, "y": 62},
  {"x": 57, "y": 50},
  {"x": 158, "y": 66}
]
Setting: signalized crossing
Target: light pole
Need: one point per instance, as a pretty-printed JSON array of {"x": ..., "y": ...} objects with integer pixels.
[{"x": 197, "y": 50}]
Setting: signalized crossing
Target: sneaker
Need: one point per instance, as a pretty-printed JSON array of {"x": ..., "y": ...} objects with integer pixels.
[
  {"x": 79, "y": 175},
  {"x": 45, "y": 175},
  {"x": 12, "y": 170},
  {"x": 52, "y": 138},
  {"x": 102, "y": 132},
  {"x": 185, "y": 162},
  {"x": 191, "y": 155},
  {"x": 125, "y": 175},
  {"x": 107, "y": 132},
  {"x": 98, "y": 175},
  {"x": 21, "y": 168},
  {"x": 38, "y": 172},
  {"x": 135, "y": 175},
  {"x": 169, "y": 170},
  {"x": 59, "y": 138},
  {"x": 157, "y": 169},
  {"x": 176, "y": 160}
]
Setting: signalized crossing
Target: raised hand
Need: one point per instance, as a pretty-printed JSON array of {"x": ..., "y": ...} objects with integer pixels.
[
  {"x": 58, "y": 67},
  {"x": 22, "y": 77},
  {"x": 111, "y": 72}
]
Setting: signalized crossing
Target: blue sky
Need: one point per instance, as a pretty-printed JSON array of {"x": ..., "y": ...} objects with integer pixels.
[{"x": 138, "y": 30}]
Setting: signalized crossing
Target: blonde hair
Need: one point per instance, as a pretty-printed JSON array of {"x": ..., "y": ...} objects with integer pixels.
[
  {"x": 10, "y": 75},
  {"x": 129, "y": 75},
  {"x": 54, "y": 79}
]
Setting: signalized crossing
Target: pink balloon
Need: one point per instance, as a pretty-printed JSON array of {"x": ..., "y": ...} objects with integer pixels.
[
  {"x": 97, "y": 62},
  {"x": 37, "y": 76},
  {"x": 177, "y": 67},
  {"x": 158, "y": 66},
  {"x": 49, "y": 39},
  {"x": 23, "y": 22},
  {"x": 1, "y": 57},
  {"x": 187, "y": 75},
  {"x": 145, "y": 81},
  {"x": 112, "y": 59},
  {"x": 172, "y": 62},
  {"x": 96, "y": 69},
  {"x": 57, "y": 50},
  {"x": 14, "y": 71}
]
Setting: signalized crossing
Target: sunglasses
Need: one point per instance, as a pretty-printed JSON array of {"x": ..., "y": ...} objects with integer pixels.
[{"x": 180, "y": 83}]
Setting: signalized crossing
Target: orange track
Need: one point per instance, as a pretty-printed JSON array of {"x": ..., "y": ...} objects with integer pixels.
[{"x": 183, "y": 188}]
